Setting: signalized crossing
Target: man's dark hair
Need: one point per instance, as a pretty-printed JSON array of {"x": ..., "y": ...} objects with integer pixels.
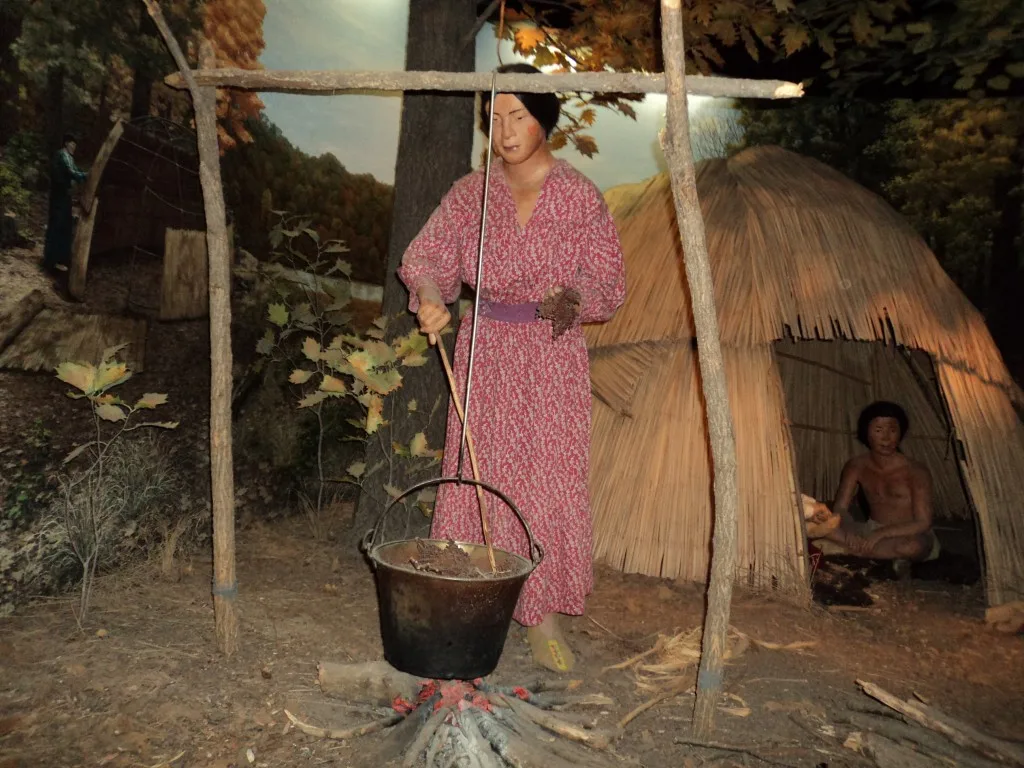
[
  {"x": 545, "y": 107},
  {"x": 881, "y": 409},
  {"x": 68, "y": 137}
]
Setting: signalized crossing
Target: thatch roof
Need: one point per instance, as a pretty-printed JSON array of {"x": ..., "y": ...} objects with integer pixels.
[
  {"x": 796, "y": 249},
  {"x": 798, "y": 253}
]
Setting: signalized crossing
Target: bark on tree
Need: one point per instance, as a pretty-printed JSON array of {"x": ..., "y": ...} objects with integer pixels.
[
  {"x": 204, "y": 100},
  {"x": 54, "y": 110},
  {"x": 10, "y": 74},
  {"x": 679, "y": 155},
  {"x": 142, "y": 81},
  {"x": 434, "y": 150}
]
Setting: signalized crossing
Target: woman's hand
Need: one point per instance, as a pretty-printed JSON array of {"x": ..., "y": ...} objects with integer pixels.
[
  {"x": 553, "y": 291},
  {"x": 433, "y": 316}
]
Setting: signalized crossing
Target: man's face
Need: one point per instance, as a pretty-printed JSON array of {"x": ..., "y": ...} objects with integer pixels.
[
  {"x": 884, "y": 435},
  {"x": 71, "y": 146}
]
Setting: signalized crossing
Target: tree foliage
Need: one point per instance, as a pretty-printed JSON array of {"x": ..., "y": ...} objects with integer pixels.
[
  {"x": 235, "y": 31},
  {"x": 953, "y": 167},
  {"x": 270, "y": 173}
]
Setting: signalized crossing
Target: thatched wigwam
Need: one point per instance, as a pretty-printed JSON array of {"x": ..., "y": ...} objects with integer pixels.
[{"x": 827, "y": 300}]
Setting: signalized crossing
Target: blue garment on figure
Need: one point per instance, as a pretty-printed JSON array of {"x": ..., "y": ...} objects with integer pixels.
[{"x": 60, "y": 225}]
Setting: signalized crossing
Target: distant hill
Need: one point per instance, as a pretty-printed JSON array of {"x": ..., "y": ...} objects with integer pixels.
[{"x": 272, "y": 174}]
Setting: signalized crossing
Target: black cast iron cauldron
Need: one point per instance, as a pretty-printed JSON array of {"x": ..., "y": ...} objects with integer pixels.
[{"x": 444, "y": 627}]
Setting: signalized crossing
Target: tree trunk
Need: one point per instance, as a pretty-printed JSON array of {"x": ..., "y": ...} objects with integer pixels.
[
  {"x": 54, "y": 109},
  {"x": 712, "y": 371},
  {"x": 434, "y": 150},
  {"x": 142, "y": 82},
  {"x": 1006, "y": 272},
  {"x": 10, "y": 75}
]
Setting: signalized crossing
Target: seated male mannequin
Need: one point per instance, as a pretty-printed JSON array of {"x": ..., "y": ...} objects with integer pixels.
[{"x": 898, "y": 491}]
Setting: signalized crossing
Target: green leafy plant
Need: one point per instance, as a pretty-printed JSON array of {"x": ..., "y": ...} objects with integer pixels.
[
  {"x": 331, "y": 363},
  {"x": 26, "y": 485},
  {"x": 89, "y": 512}
]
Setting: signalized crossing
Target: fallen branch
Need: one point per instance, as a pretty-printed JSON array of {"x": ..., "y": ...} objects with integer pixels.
[
  {"x": 343, "y": 734},
  {"x": 313, "y": 81},
  {"x": 927, "y": 742},
  {"x": 955, "y": 730},
  {"x": 670, "y": 693},
  {"x": 749, "y": 751},
  {"x": 424, "y": 737},
  {"x": 592, "y": 738}
]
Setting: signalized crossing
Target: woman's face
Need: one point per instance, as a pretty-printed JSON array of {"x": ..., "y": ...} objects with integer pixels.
[{"x": 515, "y": 133}]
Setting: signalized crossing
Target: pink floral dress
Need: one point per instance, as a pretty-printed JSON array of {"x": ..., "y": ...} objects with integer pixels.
[{"x": 530, "y": 402}]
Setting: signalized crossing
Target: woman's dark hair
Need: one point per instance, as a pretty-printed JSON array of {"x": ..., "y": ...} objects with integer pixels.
[
  {"x": 545, "y": 107},
  {"x": 881, "y": 409}
]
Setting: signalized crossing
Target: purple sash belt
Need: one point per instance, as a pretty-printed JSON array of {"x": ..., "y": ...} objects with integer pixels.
[{"x": 509, "y": 313}]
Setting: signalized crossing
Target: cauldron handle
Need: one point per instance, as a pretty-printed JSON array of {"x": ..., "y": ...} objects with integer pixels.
[{"x": 370, "y": 539}]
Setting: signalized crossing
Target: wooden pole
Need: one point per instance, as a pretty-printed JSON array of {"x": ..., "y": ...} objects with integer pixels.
[
  {"x": 679, "y": 155},
  {"x": 204, "y": 101},
  {"x": 331, "y": 81},
  {"x": 83, "y": 235}
]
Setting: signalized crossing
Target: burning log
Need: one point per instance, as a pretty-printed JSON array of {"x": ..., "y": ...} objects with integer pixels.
[{"x": 457, "y": 722}]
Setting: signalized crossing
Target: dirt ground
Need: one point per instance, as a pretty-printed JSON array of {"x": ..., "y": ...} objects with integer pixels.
[{"x": 142, "y": 684}]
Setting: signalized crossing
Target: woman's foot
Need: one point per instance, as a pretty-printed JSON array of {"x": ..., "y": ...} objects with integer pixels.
[{"x": 549, "y": 647}]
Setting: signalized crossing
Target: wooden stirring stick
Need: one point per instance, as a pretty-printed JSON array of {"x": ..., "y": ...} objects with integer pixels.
[{"x": 472, "y": 451}]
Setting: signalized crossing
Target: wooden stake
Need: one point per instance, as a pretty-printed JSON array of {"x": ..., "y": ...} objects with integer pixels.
[
  {"x": 954, "y": 730},
  {"x": 678, "y": 153},
  {"x": 204, "y": 102},
  {"x": 83, "y": 235},
  {"x": 484, "y": 524},
  {"x": 307, "y": 81}
]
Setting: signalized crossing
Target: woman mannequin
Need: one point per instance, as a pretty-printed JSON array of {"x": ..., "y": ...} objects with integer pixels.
[{"x": 548, "y": 231}]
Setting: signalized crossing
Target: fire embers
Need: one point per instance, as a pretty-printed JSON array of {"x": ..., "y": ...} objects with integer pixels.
[{"x": 562, "y": 309}]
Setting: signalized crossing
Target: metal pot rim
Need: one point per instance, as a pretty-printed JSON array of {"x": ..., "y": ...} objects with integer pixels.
[{"x": 526, "y": 566}]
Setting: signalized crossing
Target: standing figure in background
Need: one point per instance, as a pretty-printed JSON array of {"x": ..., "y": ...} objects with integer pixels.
[
  {"x": 60, "y": 226},
  {"x": 552, "y": 260}
]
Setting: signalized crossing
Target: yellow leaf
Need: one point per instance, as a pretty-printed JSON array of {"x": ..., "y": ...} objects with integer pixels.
[
  {"x": 414, "y": 341},
  {"x": 356, "y": 469},
  {"x": 151, "y": 400},
  {"x": 310, "y": 400},
  {"x": 414, "y": 361},
  {"x": 109, "y": 375},
  {"x": 278, "y": 314},
  {"x": 374, "y": 414},
  {"x": 999, "y": 83},
  {"x": 333, "y": 385},
  {"x": 381, "y": 353},
  {"x": 783, "y": 6},
  {"x": 860, "y": 25},
  {"x": 362, "y": 363},
  {"x": 300, "y": 376},
  {"x": 78, "y": 375},
  {"x": 794, "y": 38},
  {"x": 418, "y": 445},
  {"x": 412, "y": 406},
  {"x": 528, "y": 38},
  {"x": 558, "y": 141},
  {"x": 587, "y": 116},
  {"x": 311, "y": 349},
  {"x": 109, "y": 412}
]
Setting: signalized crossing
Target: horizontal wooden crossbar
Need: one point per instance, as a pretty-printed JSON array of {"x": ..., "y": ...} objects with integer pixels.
[{"x": 331, "y": 81}]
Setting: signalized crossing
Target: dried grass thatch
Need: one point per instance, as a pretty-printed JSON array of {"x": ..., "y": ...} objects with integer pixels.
[
  {"x": 801, "y": 256},
  {"x": 55, "y": 336}
]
